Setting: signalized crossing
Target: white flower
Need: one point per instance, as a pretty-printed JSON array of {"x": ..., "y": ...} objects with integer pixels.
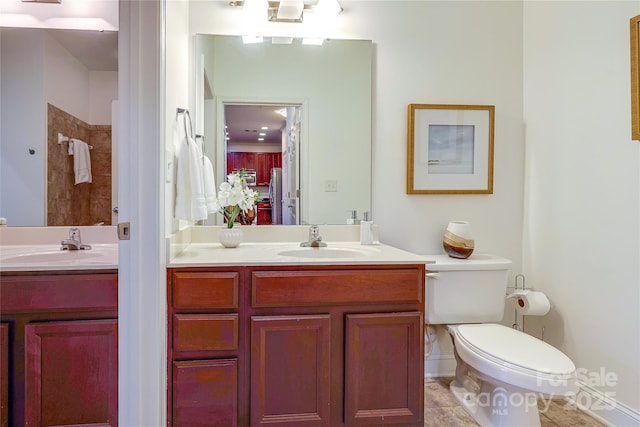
[{"x": 234, "y": 196}]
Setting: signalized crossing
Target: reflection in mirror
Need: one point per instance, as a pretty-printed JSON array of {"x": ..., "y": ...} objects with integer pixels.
[
  {"x": 328, "y": 88},
  {"x": 263, "y": 140},
  {"x": 57, "y": 82}
]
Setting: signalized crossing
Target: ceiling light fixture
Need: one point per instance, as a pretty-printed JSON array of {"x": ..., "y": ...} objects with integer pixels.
[{"x": 288, "y": 10}]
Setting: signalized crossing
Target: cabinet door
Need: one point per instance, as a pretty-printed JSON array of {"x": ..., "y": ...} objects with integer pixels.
[
  {"x": 262, "y": 168},
  {"x": 290, "y": 370},
  {"x": 276, "y": 160},
  {"x": 233, "y": 162},
  {"x": 205, "y": 393},
  {"x": 72, "y": 373},
  {"x": 384, "y": 381},
  {"x": 247, "y": 161},
  {"x": 4, "y": 374}
]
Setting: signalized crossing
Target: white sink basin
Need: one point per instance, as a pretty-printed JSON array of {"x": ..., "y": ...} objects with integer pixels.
[
  {"x": 322, "y": 253},
  {"x": 50, "y": 257},
  {"x": 55, "y": 256}
]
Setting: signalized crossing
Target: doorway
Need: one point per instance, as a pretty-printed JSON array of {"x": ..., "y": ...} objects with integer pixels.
[{"x": 264, "y": 139}]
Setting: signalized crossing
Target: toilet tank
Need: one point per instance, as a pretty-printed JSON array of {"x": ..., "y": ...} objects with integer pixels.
[{"x": 468, "y": 290}]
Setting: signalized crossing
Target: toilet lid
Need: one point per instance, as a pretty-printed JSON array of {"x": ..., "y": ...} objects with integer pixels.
[{"x": 510, "y": 346}]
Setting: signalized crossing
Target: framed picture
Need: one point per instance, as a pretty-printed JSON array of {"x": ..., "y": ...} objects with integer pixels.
[
  {"x": 450, "y": 149},
  {"x": 635, "y": 78}
]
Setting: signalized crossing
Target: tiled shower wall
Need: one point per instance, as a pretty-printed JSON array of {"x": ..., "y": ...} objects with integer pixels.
[{"x": 82, "y": 204}]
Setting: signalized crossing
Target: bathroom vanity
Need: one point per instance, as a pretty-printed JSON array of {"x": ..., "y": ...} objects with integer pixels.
[
  {"x": 59, "y": 348},
  {"x": 279, "y": 340},
  {"x": 58, "y": 328}
]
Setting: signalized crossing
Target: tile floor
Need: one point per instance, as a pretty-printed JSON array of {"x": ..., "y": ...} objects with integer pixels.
[{"x": 442, "y": 410}]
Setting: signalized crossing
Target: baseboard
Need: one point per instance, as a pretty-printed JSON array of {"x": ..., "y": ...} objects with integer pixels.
[
  {"x": 604, "y": 408},
  {"x": 440, "y": 365}
]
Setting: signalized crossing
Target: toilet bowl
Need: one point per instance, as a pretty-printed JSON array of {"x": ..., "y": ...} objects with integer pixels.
[
  {"x": 500, "y": 372},
  {"x": 508, "y": 372}
]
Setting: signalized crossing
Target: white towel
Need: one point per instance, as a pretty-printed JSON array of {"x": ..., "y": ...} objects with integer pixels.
[
  {"x": 81, "y": 160},
  {"x": 209, "y": 184},
  {"x": 190, "y": 200}
]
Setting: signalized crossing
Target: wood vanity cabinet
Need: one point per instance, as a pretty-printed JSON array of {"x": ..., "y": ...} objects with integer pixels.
[
  {"x": 59, "y": 348},
  {"x": 296, "y": 346}
]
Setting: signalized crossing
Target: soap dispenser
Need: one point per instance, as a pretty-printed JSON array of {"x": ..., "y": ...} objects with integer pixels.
[
  {"x": 353, "y": 219},
  {"x": 366, "y": 230}
]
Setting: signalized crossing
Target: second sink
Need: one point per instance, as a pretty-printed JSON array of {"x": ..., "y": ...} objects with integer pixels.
[{"x": 52, "y": 256}]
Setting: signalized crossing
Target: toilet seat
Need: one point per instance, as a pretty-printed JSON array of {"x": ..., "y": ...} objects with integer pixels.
[{"x": 514, "y": 357}]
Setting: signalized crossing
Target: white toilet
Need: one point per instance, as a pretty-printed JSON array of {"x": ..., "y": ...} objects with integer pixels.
[{"x": 500, "y": 372}]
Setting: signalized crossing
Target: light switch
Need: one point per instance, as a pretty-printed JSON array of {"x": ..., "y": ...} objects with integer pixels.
[{"x": 331, "y": 185}]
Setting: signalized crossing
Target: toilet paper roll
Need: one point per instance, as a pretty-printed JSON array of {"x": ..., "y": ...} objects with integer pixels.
[{"x": 531, "y": 303}]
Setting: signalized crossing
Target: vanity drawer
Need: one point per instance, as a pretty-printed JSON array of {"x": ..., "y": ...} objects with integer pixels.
[
  {"x": 214, "y": 290},
  {"x": 205, "y": 332},
  {"x": 59, "y": 293},
  {"x": 336, "y": 287}
]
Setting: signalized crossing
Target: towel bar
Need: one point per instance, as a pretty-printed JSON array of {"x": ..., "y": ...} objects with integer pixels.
[{"x": 62, "y": 138}]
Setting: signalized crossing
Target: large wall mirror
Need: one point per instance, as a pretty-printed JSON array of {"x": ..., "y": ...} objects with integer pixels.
[
  {"x": 57, "y": 81},
  {"x": 322, "y": 95}
]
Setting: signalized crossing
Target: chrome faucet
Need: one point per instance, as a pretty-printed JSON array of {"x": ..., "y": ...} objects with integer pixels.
[
  {"x": 74, "y": 242},
  {"x": 315, "y": 240}
]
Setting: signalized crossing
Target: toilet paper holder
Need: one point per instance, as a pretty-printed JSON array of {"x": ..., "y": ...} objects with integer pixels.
[
  {"x": 518, "y": 294},
  {"x": 508, "y": 295},
  {"x": 515, "y": 286}
]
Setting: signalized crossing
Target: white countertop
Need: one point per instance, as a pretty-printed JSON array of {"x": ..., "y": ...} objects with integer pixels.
[
  {"x": 50, "y": 258},
  {"x": 274, "y": 253},
  {"x": 38, "y": 249}
]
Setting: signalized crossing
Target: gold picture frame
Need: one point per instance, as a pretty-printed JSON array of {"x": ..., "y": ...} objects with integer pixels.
[
  {"x": 450, "y": 149},
  {"x": 635, "y": 77}
]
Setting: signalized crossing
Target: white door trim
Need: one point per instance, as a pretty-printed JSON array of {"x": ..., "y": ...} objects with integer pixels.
[{"x": 142, "y": 373}]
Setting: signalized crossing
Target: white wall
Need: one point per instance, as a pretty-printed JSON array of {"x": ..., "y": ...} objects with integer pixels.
[
  {"x": 178, "y": 58},
  {"x": 582, "y": 231},
  {"x": 103, "y": 90},
  {"x": 70, "y": 86},
  {"x": 23, "y": 124},
  {"x": 254, "y": 147},
  {"x": 66, "y": 81}
]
